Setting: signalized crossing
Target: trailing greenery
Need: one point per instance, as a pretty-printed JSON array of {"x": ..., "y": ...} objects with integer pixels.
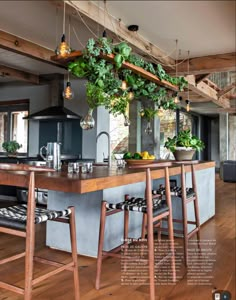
[
  {"x": 104, "y": 78},
  {"x": 184, "y": 139},
  {"x": 11, "y": 146}
]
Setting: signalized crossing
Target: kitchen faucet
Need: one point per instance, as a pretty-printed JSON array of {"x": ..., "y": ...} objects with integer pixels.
[{"x": 109, "y": 141}]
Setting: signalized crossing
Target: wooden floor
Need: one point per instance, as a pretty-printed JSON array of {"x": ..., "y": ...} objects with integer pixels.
[{"x": 221, "y": 228}]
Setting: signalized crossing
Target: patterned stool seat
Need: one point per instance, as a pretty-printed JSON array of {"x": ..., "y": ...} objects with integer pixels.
[
  {"x": 139, "y": 205},
  {"x": 174, "y": 191},
  {"x": 16, "y": 216}
]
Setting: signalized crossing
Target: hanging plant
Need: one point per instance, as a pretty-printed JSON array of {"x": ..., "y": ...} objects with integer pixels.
[{"x": 104, "y": 78}]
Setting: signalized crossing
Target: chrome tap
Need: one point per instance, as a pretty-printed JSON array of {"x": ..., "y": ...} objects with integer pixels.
[{"x": 109, "y": 144}]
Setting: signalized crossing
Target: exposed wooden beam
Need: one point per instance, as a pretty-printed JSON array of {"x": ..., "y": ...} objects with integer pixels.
[
  {"x": 19, "y": 75},
  {"x": 92, "y": 11},
  {"x": 227, "y": 89},
  {"x": 201, "y": 77},
  {"x": 206, "y": 91},
  {"x": 208, "y": 64},
  {"x": 231, "y": 110},
  {"x": 231, "y": 97},
  {"x": 21, "y": 46}
]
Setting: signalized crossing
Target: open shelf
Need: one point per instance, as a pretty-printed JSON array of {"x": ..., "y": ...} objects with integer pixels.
[{"x": 126, "y": 65}]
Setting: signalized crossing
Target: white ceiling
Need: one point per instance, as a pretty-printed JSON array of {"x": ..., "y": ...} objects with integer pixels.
[{"x": 201, "y": 27}]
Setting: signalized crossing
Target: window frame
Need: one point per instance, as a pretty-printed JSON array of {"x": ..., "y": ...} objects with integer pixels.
[{"x": 9, "y": 107}]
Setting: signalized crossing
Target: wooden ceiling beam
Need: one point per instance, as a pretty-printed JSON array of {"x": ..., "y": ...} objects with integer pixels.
[
  {"x": 201, "y": 77},
  {"x": 207, "y": 64},
  {"x": 21, "y": 46},
  {"x": 232, "y": 97},
  {"x": 227, "y": 89},
  {"x": 19, "y": 75},
  {"x": 92, "y": 11},
  {"x": 204, "y": 90}
]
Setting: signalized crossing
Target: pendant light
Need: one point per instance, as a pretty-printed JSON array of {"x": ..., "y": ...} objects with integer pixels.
[
  {"x": 63, "y": 49},
  {"x": 188, "y": 101},
  {"x": 104, "y": 34},
  {"x": 187, "y": 105},
  {"x": 123, "y": 85},
  {"x": 131, "y": 94},
  {"x": 68, "y": 93},
  {"x": 176, "y": 99}
]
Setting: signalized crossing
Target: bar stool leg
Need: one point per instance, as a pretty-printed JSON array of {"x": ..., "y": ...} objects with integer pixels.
[
  {"x": 30, "y": 240},
  {"x": 144, "y": 224},
  {"x": 74, "y": 252},
  {"x": 170, "y": 225},
  {"x": 151, "y": 261},
  {"x": 196, "y": 208},
  {"x": 185, "y": 217},
  {"x": 100, "y": 244}
]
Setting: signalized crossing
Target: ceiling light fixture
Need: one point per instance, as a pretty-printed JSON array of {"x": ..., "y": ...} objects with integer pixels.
[
  {"x": 63, "y": 49},
  {"x": 133, "y": 28},
  {"x": 188, "y": 100},
  {"x": 187, "y": 105},
  {"x": 130, "y": 94},
  {"x": 104, "y": 34},
  {"x": 68, "y": 93},
  {"x": 176, "y": 99}
]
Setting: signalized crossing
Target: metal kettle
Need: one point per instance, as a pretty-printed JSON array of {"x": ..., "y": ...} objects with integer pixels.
[{"x": 53, "y": 155}]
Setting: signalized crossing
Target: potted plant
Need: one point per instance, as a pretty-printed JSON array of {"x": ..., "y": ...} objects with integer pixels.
[
  {"x": 184, "y": 145},
  {"x": 11, "y": 147}
]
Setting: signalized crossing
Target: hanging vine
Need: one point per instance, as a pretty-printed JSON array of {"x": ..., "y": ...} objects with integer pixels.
[{"x": 104, "y": 85}]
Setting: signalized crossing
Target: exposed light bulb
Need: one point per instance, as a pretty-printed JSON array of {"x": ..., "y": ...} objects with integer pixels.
[
  {"x": 176, "y": 99},
  {"x": 123, "y": 85},
  {"x": 160, "y": 112},
  {"x": 187, "y": 105},
  {"x": 131, "y": 95},
  {"x": 68, "y": 93},
  {"x": 141, "y": 112},
  {"x": 63, "y": 49}
]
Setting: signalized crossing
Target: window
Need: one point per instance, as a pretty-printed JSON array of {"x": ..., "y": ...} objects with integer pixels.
[{"x": 12, "y": 124}]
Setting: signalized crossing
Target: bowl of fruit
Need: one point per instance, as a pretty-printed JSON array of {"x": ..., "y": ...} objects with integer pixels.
[{"x": 138, "y": 158}]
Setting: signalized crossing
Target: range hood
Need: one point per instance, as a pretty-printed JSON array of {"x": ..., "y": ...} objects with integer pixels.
[{"x": 56, "y": 111}]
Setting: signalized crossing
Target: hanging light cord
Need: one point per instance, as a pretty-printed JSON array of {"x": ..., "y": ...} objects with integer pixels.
[
  {"x": 188, "y": 73},
  {"x": 76, "y": 35},
  {"x": 64, "y": 18},
  {"x": 78, "y": 13},
  {"x": 121, "y": 40}
]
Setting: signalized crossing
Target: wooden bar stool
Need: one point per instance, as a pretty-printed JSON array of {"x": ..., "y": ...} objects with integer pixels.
[
  {"x": 20, "y": 220},
  {"x": 187, "y": 195},
  {"x": 154, "y": 210}
]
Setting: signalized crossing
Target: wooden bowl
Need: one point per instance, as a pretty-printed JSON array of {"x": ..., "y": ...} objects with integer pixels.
[{"x": 139, "y": 161}]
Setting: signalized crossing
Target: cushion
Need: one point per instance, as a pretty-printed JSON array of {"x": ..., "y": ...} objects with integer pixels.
[
  {"x": 139, "y": 205},
  {"x": 16, "y": 216}
]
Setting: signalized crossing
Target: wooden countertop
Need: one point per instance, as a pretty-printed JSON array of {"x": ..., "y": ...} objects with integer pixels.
[{"x": 101, "y": 178}]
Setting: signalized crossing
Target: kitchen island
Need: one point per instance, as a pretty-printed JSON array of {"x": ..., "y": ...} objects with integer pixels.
[{"x": 86, "y": 191}]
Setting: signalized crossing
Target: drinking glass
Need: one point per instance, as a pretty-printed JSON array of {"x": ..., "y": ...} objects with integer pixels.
[
  {"x": 70, "y": 167},
  {"x": 76, "y": 167}
]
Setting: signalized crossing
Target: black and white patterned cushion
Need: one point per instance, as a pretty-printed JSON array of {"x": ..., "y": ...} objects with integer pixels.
[
  {"x": 139, "y": 205},
  {"x": 16, "y": 216},
  {"x": 174, "y": 191}
]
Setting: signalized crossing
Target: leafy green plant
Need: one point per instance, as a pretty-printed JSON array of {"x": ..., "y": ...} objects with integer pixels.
[
  {"x": 184, "y": 139},
  {"x": 104, "y": 79},
  {"x": 11, "y": 146}
]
